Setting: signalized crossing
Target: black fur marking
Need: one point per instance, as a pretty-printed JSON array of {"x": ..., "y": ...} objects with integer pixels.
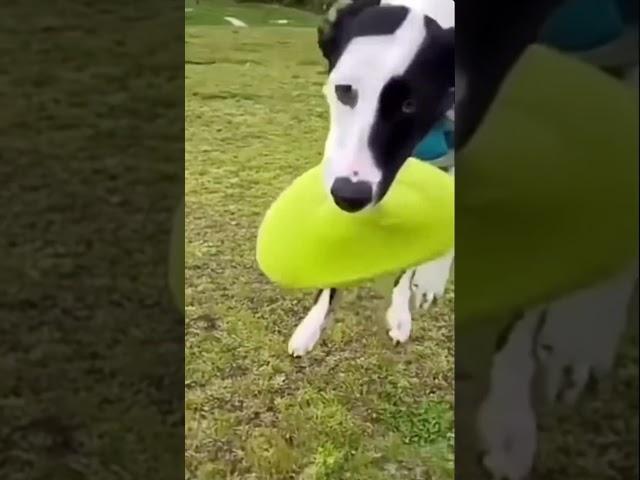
[
  {"x": 430, "y": 24},
  {"x": 542, "y": 321},
  {"x": 332, "y": 35},
  {"x": 428, "y": 83},
  {"x": 490, "y": 44},
  {"x": 394, "y": 94},
  {"x": 397, "y": 280},
  {"x": 379, "y": 21},
  {"x": 505, "y": 333},
  {"x": 347, "y": 95},
  {"x": 317, "y": 297},
  {"x": 332, "y": 295}
]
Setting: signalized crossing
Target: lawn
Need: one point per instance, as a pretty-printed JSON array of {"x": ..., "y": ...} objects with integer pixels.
[
  {"x": 356, "y": 407},
  {"x": 213, "y": 12}
]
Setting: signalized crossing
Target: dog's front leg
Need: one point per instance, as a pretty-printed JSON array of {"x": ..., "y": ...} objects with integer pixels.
[
  {"x": 399, "y": 312},
  {"x": 430, "y": 281},
  {"x": 308, "y": 332}
]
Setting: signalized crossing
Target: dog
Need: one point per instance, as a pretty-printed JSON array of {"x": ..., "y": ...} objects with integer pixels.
[{"x": 391, "y": 79}]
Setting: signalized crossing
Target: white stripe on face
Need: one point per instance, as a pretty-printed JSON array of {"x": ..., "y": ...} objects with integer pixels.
[{"x": 367, "y": 64}]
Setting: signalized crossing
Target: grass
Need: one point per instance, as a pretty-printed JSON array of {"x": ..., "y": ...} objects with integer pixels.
[
  {"x": 356, "y": 407},
  {"x": 90, "y": 345},
  {"x": 212, "y": 12}
]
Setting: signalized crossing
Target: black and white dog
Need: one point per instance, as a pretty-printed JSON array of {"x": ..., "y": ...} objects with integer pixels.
[{"x": 391, "y": 79}]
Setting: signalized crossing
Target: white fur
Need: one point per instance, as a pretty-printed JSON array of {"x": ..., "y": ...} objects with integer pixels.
[
  {"x": 398, "y": 315},
  {"x": 506, "y": 420},
  {"x": 583, "y": 331},
  {"x": 308, "y": 332},
  {"x": 427, "y": 282},
  {"x": 367, "y": 64},
  {"x": 430, "y": 280}
]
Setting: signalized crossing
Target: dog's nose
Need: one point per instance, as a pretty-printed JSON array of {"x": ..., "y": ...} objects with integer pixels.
[{"x": 351, "y": 196}]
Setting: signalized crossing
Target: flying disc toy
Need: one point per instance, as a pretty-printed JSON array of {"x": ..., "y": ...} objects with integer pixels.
[
  {"x": 305, "y": 241},
  {"x": 555, "y": 208}
]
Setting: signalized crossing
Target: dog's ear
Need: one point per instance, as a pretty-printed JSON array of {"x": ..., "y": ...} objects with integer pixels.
[
  {"x": 439, "y": 59},
  {"x": 447, "y": 63},
  {"x": 331, "y": 31},
  {"x": 440, "y": 43}
]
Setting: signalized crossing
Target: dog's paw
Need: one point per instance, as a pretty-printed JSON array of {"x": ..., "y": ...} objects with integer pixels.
[
  {"x": 399, "y": 324},
  {"x": 303, "y": 340}
]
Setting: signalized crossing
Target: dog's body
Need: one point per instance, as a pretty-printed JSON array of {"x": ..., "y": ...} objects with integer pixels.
[{"x": 391, "y": 79}]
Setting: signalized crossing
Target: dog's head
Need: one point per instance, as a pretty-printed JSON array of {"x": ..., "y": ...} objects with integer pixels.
[{"x": 391, "y": 78}]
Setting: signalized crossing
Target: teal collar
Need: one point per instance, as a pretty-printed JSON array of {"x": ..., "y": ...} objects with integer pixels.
[{"x": 437, "y": 147}]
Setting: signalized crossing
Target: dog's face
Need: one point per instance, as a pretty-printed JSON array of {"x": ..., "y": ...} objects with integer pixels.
[{"x": 391, "y": 78}]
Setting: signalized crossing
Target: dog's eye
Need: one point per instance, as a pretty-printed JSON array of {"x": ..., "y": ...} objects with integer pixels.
[
  {"x": 408, "y": 106},
  {"x": 347, "y": 95}
]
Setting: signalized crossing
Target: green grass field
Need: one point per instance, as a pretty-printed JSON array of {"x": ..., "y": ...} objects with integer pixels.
[
  {"x": 356, "y": 407},
  {"x": 212, "y": 12}
]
